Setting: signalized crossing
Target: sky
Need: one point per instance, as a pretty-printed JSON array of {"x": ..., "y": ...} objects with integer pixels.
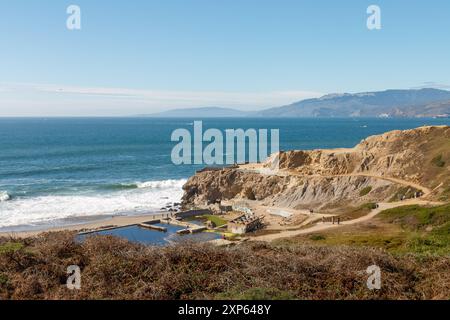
[{"x": 140, "y": 57}]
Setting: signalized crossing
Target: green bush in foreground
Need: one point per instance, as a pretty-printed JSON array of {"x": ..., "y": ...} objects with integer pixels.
[{"x": 10, "y": 247}]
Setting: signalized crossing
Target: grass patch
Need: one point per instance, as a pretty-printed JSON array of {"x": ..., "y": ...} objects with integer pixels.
[
  {"x": 317, "y": 237},
  {"x": 10, "y": 247},
  {"x": 365, "y": 191},
  {"x": 428, "y": 228},
  {"x": 413, "y": 229},
  {"x": 423, "y": 231},
  {"x": 416, "y": 217},
  {"x": 218, "y": 221}
]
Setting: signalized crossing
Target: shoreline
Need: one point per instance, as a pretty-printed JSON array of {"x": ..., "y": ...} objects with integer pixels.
[{"x": 108, "y": 221}]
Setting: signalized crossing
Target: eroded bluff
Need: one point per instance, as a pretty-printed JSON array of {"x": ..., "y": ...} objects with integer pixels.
[{"x": 368, "y": 172}]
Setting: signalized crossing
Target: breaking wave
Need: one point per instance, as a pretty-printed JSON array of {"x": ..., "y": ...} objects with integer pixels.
[
  {"x": 4, "y": 196},
  {"x": 145, "y": 197},
  {"x": 161, "y": 184}
]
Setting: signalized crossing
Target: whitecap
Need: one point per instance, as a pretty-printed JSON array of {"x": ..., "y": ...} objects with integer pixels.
[
  {"x": 150, "y": 197},
  {"x": 162, "y": 184},
  {"x": 4, "y": 196}
]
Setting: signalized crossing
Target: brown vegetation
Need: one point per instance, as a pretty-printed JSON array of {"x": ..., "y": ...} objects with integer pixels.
[{"x": 116, "y": 269}]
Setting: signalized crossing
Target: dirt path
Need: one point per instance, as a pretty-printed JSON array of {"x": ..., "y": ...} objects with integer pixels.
[
  {"x": 425, "y": 190},
  {"x": 284, "y": 173},
  {"x": 326, "y": 226}
]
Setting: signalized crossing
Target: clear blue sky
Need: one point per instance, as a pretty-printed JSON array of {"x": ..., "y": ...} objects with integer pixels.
[{"x": 143, "y": 56}]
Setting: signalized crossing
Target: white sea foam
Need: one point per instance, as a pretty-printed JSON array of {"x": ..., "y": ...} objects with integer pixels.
[
  {"x": 150, "y": 197},
  {"x": 4, "y": 196},
  {"x": 164, "y": 184}
]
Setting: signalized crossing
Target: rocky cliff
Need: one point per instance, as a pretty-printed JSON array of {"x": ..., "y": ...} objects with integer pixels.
[{"x": 381, "y": 168}]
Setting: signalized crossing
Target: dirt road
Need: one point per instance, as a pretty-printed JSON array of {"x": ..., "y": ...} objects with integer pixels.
[
  {"x": 326, "y": 226},
  {"x": 284, "y": 173}
]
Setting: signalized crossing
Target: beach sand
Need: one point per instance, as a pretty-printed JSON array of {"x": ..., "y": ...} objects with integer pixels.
[{"x": 112, "y": 221}]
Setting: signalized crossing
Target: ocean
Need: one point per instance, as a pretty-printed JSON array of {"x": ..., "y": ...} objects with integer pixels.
[{"x": 57, "y": 171}]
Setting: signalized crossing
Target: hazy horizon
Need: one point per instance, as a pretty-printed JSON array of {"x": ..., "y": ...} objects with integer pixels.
[{"x": 157, "y": 56}]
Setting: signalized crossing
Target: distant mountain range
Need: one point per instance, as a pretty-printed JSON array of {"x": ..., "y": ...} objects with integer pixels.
[{"x": 389, "y": 103}]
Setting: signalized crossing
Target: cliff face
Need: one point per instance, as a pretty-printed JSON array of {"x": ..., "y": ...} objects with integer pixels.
[
  {"x": 284, "y": 191},
  {"x": 369, "y": 172},
  {"x": 403, "y": 154}
]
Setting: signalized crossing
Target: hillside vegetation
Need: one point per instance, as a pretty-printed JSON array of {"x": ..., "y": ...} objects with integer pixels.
[
  {"x": 115, "y": 269},
  {"x": 423, "y": 231}
]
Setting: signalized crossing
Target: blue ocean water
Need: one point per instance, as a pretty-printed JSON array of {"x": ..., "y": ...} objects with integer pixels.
[
  {"x": 151, "y": 237},
  {"x": 54, "y": 170}
]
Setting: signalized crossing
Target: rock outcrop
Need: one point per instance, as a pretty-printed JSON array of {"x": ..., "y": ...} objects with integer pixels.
[{"x": 368, "y": 172}]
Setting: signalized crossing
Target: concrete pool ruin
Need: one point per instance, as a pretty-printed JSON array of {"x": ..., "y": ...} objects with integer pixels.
[
  {"x": 160, "y": 234},
  {"x": 160, "y": 230}
]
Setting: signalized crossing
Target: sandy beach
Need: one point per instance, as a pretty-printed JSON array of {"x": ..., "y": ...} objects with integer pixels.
[{"x": 112, "y": 221}]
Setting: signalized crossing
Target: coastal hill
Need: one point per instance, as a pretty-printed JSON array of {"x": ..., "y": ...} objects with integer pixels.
[
  {"x": 408, "y": 240},
  {"x": 389, "y": 103},
  {"x": 393, "y": 166}
]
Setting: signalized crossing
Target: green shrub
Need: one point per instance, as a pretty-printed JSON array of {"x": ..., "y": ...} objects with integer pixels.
[
  {"x": 10, "y": 247},
  {"x": 365, "y": 191},
  {"x": 317, "y": 237},
  {"x": 370, "y": 205},
  {"x": 3, "y": 279},
  {"x": 438, "y": 162}
]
